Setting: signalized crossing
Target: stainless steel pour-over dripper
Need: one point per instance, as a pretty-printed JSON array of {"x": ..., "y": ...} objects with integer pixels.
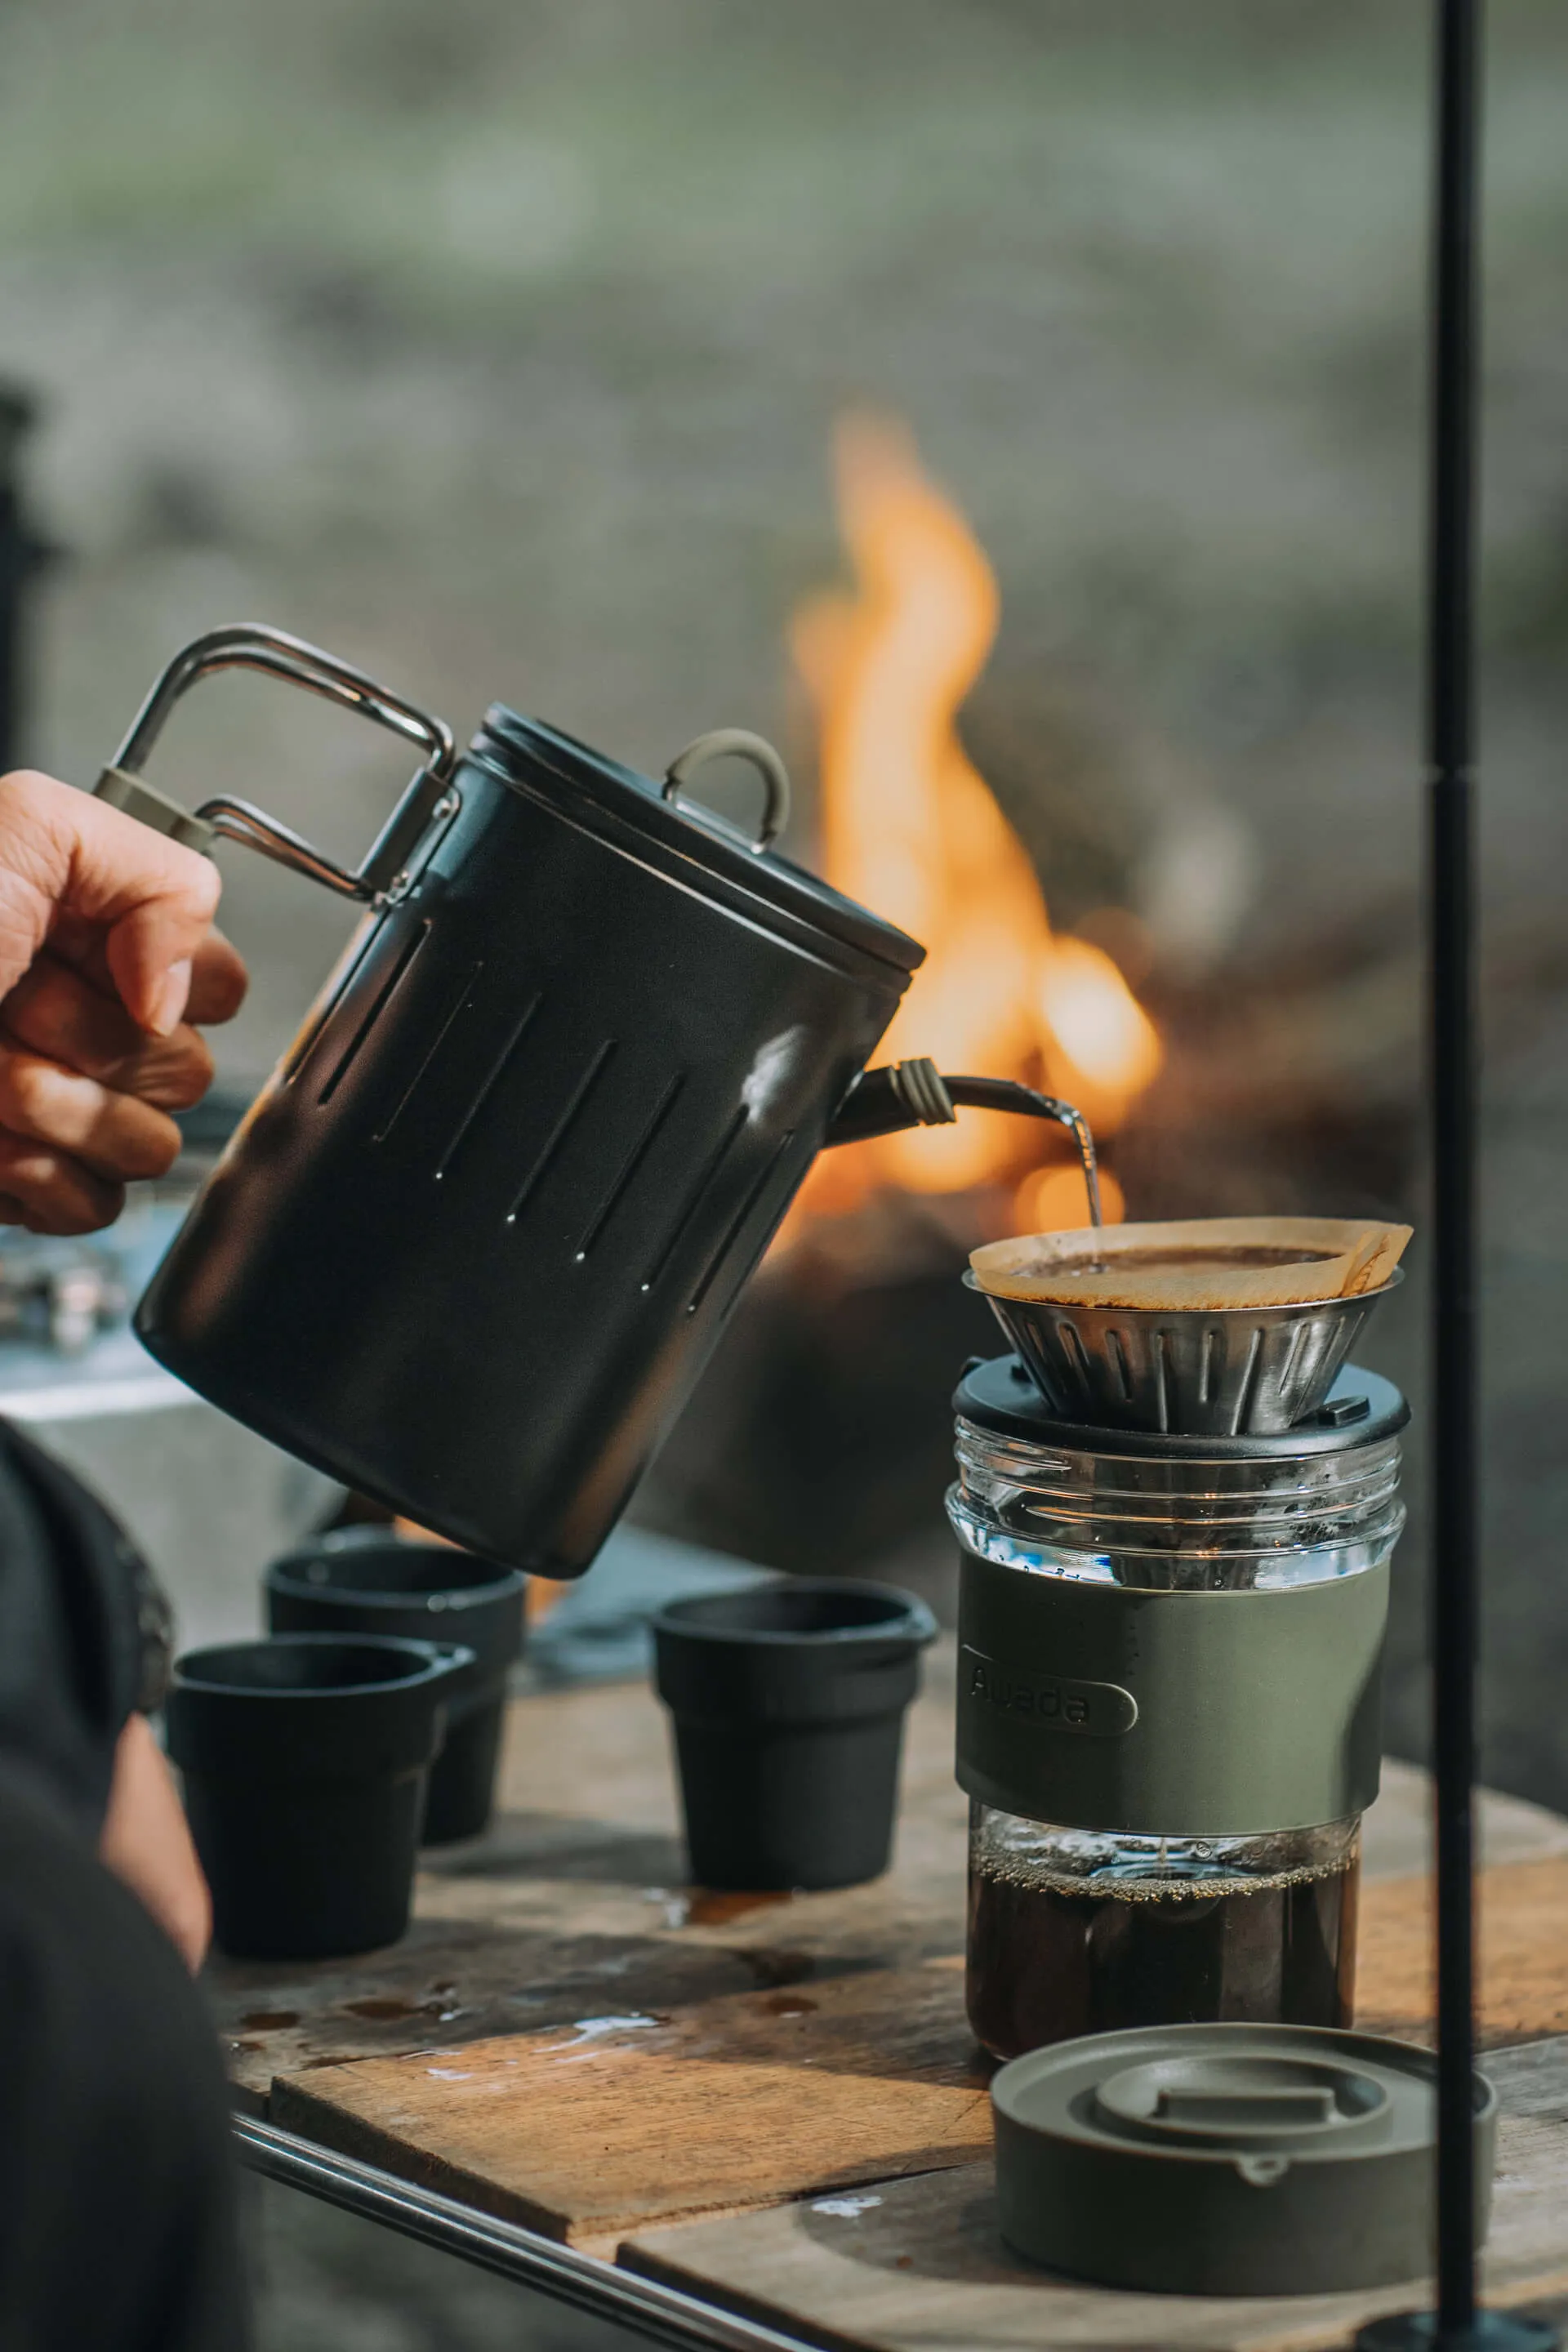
[{"x": 1225, "y": 1372}]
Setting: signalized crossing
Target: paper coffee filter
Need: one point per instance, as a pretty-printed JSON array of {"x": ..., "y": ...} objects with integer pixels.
[{"x": 1196, "y": 1263}]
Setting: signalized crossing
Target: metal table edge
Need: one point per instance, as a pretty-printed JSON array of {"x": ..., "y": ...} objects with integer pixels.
[{"x": 660, "y": 2313}]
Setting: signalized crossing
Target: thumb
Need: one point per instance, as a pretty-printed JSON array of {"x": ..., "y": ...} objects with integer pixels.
[
  {"x": 152, "y": 988},
  {"x": 64, "y": 854}
]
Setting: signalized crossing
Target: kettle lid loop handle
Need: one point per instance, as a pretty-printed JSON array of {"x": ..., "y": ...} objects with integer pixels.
[
  {"x": 738, "y": 743},
  {"x": 249, "y": 646}
]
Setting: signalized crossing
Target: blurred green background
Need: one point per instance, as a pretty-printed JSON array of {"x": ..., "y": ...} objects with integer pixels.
[{"x": 498, "y": 347}]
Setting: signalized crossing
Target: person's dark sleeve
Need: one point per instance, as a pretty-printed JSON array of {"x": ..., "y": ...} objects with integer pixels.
[
  {"x": 118, "y": 2224},
  {"x": 82, "y": 1626}
]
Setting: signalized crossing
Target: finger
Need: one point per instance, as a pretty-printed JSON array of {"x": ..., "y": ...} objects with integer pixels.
[
  {"x": 219, "y": 980},
  {"x": 60, "y": 1015},
  {"x": 110, "y": 1133},
  {"x": 218, "y": 977},
  {"x": 50, "y": 1193},
  {"x": 60, "y": 849}
]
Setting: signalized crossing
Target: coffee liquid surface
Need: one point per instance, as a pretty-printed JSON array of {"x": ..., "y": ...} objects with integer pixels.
[{"x": 1049, "y": 1958}]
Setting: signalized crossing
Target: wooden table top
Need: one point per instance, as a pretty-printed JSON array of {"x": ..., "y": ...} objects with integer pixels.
[{"x": 572, "y": 2038}]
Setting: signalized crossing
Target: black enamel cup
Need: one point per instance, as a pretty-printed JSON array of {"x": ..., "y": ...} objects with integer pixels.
[
  {"x": 788, "y": 1704},
  {"x": 473, "y": 1243},
  {"x": 305, "y": 1761},
  {"x": 364, "y": 1580}
]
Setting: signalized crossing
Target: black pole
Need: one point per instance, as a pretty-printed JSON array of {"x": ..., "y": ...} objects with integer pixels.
[
  {"x": 1455, "y": 1515},
  {"x": 1453, "y": 1047}
]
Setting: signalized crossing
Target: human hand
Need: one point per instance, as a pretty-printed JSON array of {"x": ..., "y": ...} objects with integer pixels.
[
  {"x": 108, "y": 961},
  {"x": 147, "y": 1845}
]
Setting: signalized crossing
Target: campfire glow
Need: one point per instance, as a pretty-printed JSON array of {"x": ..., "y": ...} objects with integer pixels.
[{"x": 910, "y": 828}]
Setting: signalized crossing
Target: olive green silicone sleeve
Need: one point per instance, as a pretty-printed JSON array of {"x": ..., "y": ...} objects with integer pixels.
[{"x": 1189, "y": 1714}]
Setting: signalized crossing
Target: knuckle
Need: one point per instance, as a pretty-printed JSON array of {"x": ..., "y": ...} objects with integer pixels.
[
  {"x": 48, "y": 1192},
  {"x": 184, "y": 1089},
  {"x": 161, "y": 871},
  {"x": 186, "y": 1075},
  {"x": 203, "y": 1068},
  {"x": 35, "y": 815},
  {"x": 199, "y": 883},
  {"x": 34, "y": 1091},
  {"x": 28, "y": 790}
]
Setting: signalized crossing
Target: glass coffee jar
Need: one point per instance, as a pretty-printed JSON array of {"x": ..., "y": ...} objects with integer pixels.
[{"x": 1168, "y": 1711}]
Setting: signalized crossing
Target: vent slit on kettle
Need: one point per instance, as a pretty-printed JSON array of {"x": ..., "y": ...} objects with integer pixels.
[
  {"x": 427, "y": 1059},
  {"x": 698, "y": 1195},
  {"x": 310, "y": 1037},
  {"x": 740, "y": 1219},
  {"x": 498, "y": 1068},
  {"x": 561, "y": 1128},
  {"x": 384, "y": 997},
  {"x": 630, "y": 1165}
]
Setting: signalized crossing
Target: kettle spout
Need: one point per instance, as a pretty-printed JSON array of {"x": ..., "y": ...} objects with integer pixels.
[
  {"x": 915, "y": 1094},
  {"x": 881, "y": 1102}
]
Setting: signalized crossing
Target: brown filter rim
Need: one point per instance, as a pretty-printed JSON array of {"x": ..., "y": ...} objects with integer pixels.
[
  {"x": 1254, "y": 1306},
  {"x": 1309, "y": 1261}
]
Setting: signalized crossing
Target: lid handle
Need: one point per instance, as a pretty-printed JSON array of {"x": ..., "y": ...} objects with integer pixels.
[
  {"x": 1283, "y": 2110},
  {"x": 1250, "y": 2101},
  {"x": 737, "y": 743}
]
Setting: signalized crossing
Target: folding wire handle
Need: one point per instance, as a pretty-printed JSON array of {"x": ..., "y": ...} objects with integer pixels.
[{"x": 429, "y": 797}]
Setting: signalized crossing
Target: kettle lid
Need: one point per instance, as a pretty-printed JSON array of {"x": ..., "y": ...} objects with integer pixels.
[{"x": 534, "y": 757}]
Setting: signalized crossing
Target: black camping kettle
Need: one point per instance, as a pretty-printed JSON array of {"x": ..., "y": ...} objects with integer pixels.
[{"x": 473, "y": 1242}]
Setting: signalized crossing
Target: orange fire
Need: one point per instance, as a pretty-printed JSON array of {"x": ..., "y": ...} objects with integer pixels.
[{"x": 910, "y": 828}]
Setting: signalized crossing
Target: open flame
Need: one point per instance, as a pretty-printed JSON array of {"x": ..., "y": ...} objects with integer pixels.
[{"x": 910, "y": 828}]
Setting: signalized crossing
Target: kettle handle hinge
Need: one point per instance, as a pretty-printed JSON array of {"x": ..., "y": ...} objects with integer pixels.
[{"x": 430, "y": 798}]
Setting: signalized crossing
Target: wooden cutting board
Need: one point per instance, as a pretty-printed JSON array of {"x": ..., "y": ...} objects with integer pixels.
[
  {"x": 627, "y": 2117},
  {"x": 620, "y": 2121},
  {"x": 920, "y": 2265},
  {"x": 452, "y": 1982},
  {"x": 573, "y": 1903}
]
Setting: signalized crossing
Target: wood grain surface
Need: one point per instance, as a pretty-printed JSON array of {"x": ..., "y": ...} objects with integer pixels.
[
  {"x": 623, "y": 2118},
  {"x": 1523, "y": 1915},
  {"x": 918, "y": 2265},
  {"x": 831, "y": 2079}
]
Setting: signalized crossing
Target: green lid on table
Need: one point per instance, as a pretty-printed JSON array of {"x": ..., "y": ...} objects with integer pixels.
[{"x": 1226, "y": 2159}]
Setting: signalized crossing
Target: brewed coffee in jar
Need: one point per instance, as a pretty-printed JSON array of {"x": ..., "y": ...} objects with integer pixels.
[{"x": 1073, "y": 1933}]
